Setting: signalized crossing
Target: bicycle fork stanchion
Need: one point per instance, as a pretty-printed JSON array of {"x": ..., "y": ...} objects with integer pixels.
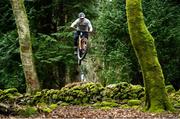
[{"x": 82, "y": 73}]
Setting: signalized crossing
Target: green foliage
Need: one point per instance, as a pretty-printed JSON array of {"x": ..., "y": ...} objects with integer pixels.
[
  {"x": 11, "y": 72},
  {"x": 163, "y": 21},
  {"x": 53, "y": 53},
  {"x": 6, "y": 17},
  {"x": 73, "y": 8},
  {"x": 47, "y": 16},
  {"x": 53, "y": 106},
  {"x": 28, "y": 111},
  {"x": 111, "y": 41},
  {"x": 53, "y": 43},
  {"x": 48, "y": 49}
]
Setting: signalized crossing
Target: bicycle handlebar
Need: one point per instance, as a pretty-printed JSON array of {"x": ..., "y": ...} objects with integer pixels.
[{"x": 74, "y": 29}]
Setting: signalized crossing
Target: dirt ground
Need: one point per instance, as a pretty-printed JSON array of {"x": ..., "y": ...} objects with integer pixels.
[{"x": 94, "y": 113}]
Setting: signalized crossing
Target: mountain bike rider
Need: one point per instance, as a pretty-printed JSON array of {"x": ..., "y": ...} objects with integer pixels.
[{"x": 81, "y": 24}]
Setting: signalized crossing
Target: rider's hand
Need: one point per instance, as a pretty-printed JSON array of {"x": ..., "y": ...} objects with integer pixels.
[{"x": 73, "y": 28}]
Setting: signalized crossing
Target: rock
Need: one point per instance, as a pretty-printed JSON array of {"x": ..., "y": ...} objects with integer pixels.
[{"x": 134, "y": 102}]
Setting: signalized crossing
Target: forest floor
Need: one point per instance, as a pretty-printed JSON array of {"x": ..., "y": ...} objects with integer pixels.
[{"x": 91, "y": 112}]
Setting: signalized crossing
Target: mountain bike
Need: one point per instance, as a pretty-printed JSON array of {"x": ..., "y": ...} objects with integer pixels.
[{"x": 82, "y": 47}]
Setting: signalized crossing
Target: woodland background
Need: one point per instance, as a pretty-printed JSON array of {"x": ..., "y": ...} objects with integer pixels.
[{"x": 111, "y": 58}]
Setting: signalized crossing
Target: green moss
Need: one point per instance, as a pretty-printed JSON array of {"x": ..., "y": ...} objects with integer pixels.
[
  {"x": 174, "y": 97},
  {"x": 143, "y": 43},
  {"x": 156, "y": 110},
  {"x": 64, "y": 104},
  {"x": 105, "y": 104},
  {"x": 137, "y": 88},
  {"x": 170, "y": 89},
  {"x": 134, "y": 102},
  {"x": 36, "y": 98},
  {"x": 53, "y": 106},
  {"x": 105, "y": 108},
  {"x": 85, "y": 100},
  {"x": 43, "y": 107},
  {"x": 76, "y": 101},
  {"x": 54, "y": 96},
  {"x": 125, "y": 106},
  {"x": 10, "y": 90},
  {"x": 47, "y": 110},
  {"x": 89, "y": 93},
  {"x": 28, "y": 111},
  {"x": 69, "y": 98},
  {"x": 177, "y": 105},
  {"x": 10, "y": 97},
  {"x": 1, "y": 92},
  {"x": 117, "y": 91}
]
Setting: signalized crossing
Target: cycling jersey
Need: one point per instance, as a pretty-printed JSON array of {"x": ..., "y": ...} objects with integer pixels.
[{"x": 82, "y": 25}]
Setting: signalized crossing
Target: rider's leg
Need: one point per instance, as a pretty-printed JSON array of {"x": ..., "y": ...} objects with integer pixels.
[{"x": 85, "y": 34}]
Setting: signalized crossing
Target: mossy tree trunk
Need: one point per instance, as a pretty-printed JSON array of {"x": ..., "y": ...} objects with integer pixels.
[
  {"x": 20, "y": 15},
  {"x": 143, "y": 43}
]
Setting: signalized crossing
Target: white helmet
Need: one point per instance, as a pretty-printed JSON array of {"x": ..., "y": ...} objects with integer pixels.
[{"x": 81, "y": 15}]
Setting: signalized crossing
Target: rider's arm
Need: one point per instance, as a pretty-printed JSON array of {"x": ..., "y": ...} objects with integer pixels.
[
  {"x": 90, "y": 26},
  {"x": 74, "y": 24}
]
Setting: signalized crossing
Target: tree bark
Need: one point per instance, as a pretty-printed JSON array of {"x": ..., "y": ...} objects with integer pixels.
[
  {"x": 143, "y": 43},
  {"x": 20, "y": 15}
]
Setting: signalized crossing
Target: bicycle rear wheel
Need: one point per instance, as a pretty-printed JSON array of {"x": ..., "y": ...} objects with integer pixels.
[{"x": 82, "y": 49}]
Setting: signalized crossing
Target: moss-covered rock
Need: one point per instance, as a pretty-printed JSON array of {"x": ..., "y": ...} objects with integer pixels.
[
  {"x": 123, "y": 91},
  {"x": 125, "y": 106},
  {"x": 116, "y": 95},
  {"x": 84, "y": 93},
  {"x": 53, "y": 106},
  {"x": 10, "y": 90},
  {"x": 105, "y": 104},
  {"x": 9, "y": 95},
  {"x": 28, "y": 111},
  {"x": 177, "y": 105},
  {"x": 43, "y": 107},
  {"x": 64, "y": 104},
  {"x": 78, "y": 93},
  {"x": 134, "y": 102},
  {"x": 170, "y": 89},
  {"x": 175, "y": 99}
]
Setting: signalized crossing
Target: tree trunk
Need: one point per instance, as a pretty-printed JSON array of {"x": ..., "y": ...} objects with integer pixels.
[
  {"x": 143, "y": 43},
  {"x": 19, "y": 11}
]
